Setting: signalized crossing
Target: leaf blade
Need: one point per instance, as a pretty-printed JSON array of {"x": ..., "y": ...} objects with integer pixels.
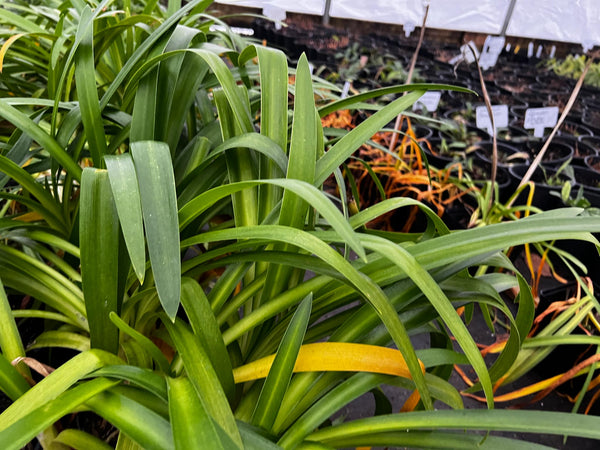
[{"x": 153, "y": 166}]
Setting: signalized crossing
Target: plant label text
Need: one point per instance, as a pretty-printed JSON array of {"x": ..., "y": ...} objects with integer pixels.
[{"x": 540, "y": 118}]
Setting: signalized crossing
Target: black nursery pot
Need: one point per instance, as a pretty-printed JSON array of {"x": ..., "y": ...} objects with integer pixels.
[
  {"x": 564, "y": 357},
  {"x": 570, "y": 128},
  {"x": 545, "y": 196},
  {"x": 591, "y": 119},
  {"x": 421, "y": 131},
  {"x": 592, "y": 162},
  {"x": 515, "y": 136},
  {"x": 590, "y": 180},
  {"x": 556, "y": 154},
  {"x": 507, "y": 154},
  {"x": 592, "y": 141},
  {"x": 436, "y": 157},
  {"x": 474, "y": 134},
  {"x": 481, "y": 171},
  {"x": 580, "y": 149}
]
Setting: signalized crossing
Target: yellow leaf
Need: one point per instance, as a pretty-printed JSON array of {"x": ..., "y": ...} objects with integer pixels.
[
  {"x": 6, "y": 46},
  {"x": 333, "y": 357},
  {"x": 32, "y": 216}
]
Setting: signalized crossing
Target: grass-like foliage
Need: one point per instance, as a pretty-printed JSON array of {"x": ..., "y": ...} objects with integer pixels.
[{"x": 163, "y": 210}]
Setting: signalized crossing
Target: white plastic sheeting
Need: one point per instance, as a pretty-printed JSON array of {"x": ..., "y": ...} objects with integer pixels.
[{"x": 558, "y": 20}]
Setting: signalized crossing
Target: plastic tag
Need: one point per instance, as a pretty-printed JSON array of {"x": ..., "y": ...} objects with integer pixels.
[
  {"x": 429, "y": 100},
  {"x": 482, "y": 117},
  {"x": 345, "y": 90},
  {"x": 467, "y": 54},
  {"x": 311, "y": 68},
  {"x": 538, "y": 54},
  {"x": 492, "y": 48},
  {"x": 274, "y": 13},
  {"x": 540, "y": 118},
  {"x": 530, "y": 50}
]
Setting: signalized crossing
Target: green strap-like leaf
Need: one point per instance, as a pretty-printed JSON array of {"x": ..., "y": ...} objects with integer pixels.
[
  {"x": 282, "y": 369},
  {"x": 169, "y": 79},
  {"x": 55, "y": 384},
  {"x": 204, "y": 378},
  {"x": 147, "y": 104},
  {"x": 191, "y": 424},
  {"x": 206, "y": 328},
  {"x": 159, "y": 207},
  {"x": 240, "y": 108},
  {"x": 143, "y": 341},
  {"x": 12, "y": 382},
  {"x": 344, "y": 148},
  {"x": 87, "y": 91},
  {"x": 348, "y": 102},
  {"x": 23, "y": 430},
  {"x": 80, "y": 440},
  {"x": 366, "y": 286},
  {"x": 433, "y": 440},
  {"x": 126, "y": 192},
  {"x": 141, "y": 424},
  {"x": 309, "y": 193},
  {"x": 64, "y": 339},
  {"x": 429, "y": 287},
  {"x": 28, "y": 183},
  {"x": 142, "y": 51},
  {"x": 240, "y": 164},
  {"x": 545, "y": 422},
  {"x": 10, "y": 340},
  {"x": 273, "y": 114},
  {"x": 144, "y": 378},
  {"x": 99, "y": 241}
]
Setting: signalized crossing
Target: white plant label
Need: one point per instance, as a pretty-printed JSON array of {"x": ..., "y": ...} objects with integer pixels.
[
  {"x": 345, "y": 90},
  {"x": 482, "y": 118},
  {"x": 429, "y": 100},
  {"x": 311, "y": 68},
  {"x": 538, "y": 54},
  {"x": 276, "y": 14},
  {"x": 492, "y": 48},
  {"x": 540, "y": 118},
  {"x": 467, "y": 54},
  {"x": 530, "y": 50}
]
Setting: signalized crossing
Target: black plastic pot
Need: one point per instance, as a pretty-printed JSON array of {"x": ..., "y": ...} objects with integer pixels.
[
  {"x": 591, "y": 119},
  {"x": 507, "y": 154},
  {"x": 592, "y": 141},
  {"x": 574, "y": 129},
  {"x": 592, "y": 162},
  {"x": 481, "y": 171},
  {"x": 590, "y": 180},
  {"x": 470, "y": 135},
  {"x": 556, "y": 154},
  {"x": 563, "y": 357},
  {"x": 440, "y": 158},
  {"x": 545, "y": 196},
  {"x": 515, "y": 136},
  {"x": 580, "y": 149},
  {"x": 462, "y": 115}
]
